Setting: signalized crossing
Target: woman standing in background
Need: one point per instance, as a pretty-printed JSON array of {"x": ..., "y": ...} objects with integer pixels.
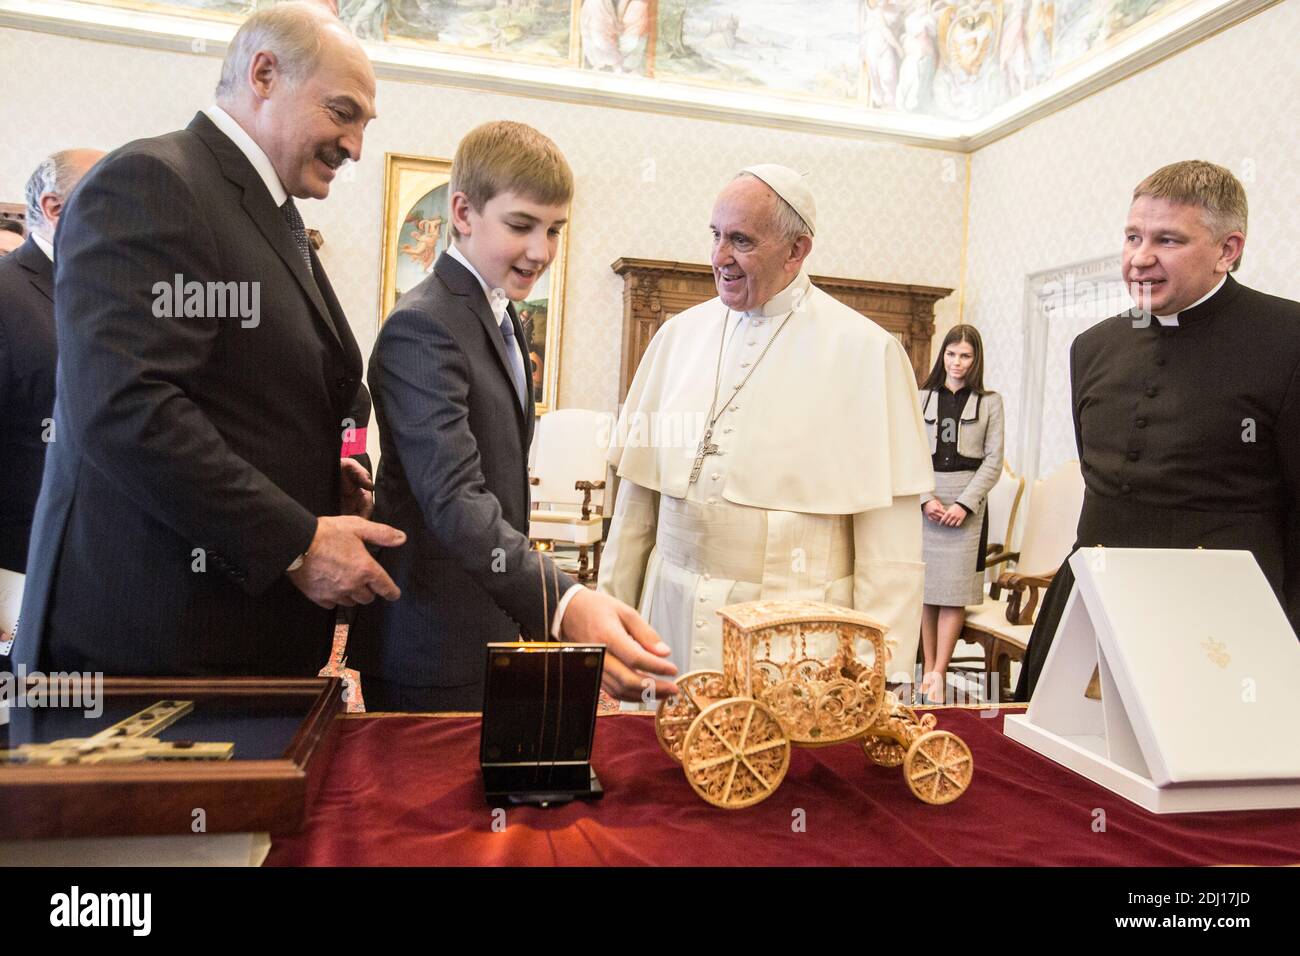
[{"x": 964, "y": 423}]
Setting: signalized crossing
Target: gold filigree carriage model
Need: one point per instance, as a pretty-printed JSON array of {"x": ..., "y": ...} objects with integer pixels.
[{"x": 800, "y": 673}]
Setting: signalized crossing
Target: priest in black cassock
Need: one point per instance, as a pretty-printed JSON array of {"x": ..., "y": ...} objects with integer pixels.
[{"x": 1187, "y": 407}]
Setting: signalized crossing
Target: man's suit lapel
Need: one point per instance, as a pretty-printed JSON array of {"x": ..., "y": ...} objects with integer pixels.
[
  {"x": 40, "y": 271},
  {"x": 460, "y": 281},
  {"x": 262, "y": 210},
  {"x": 335, "y": 310}
]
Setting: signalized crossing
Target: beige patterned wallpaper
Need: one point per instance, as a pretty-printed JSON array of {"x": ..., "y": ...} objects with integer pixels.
[
  {"x": 1056, "y": 192},
  {"x": 645, "y": 182}
]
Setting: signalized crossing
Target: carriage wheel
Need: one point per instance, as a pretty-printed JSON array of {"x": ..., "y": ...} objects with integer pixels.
[
  {"x": 938, "y": 767},
  {"x": 735, "y": 753},
  {"x": 883, "y": 751},
  {"x": 675, "y": 713}
]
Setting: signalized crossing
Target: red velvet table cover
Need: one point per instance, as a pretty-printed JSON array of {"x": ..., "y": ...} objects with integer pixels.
[{"x": 406, "y": 790}]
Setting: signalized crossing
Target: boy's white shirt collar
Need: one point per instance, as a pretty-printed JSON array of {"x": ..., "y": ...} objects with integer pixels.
[
  {"x": 498, "y": 301},
  {"x": 237, "y": 135}
]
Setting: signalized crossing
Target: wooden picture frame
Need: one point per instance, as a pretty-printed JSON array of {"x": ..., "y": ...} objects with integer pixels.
[
  {"x": 162, "y": 797},
  {"x": 14, "y": 212},
  {"x": 417, "y": 229}
]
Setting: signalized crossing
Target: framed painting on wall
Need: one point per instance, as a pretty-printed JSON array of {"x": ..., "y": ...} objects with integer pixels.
[{"x": 417, "y": 229}]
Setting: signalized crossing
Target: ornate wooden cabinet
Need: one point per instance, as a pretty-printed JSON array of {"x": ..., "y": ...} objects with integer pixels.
[
  {"x": 655, "y": 290},
  {"x": 14, "y": 211}
]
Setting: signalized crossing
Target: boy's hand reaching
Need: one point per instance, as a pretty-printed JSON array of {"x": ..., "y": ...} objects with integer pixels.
[{"x": 633, "y": 651}]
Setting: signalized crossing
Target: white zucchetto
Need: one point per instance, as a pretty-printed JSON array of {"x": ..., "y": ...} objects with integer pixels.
[{"x": 789, "y": 185}]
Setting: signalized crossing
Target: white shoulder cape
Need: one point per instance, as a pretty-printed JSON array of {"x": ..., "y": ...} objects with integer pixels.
[{"x": 829, "y": 423}]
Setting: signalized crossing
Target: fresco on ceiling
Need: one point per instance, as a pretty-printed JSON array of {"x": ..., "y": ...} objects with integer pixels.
[
  {"x": 615, "y": 34},
  {"x": 956, "y": 59},
  {"x": 517, "y": 29},
  {"x": 207, "y": 9},
  {"x": 766, "y": 45}
]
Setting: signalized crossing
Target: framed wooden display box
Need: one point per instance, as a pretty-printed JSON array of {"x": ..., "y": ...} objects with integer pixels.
[{"x": 277, "y": 735}]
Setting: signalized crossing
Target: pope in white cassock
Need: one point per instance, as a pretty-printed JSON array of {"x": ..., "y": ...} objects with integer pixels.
[{"x": 804, "y": 452}]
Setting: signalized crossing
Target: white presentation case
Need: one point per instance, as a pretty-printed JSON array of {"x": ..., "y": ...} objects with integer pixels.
[{"x": 1200, "y": 682}]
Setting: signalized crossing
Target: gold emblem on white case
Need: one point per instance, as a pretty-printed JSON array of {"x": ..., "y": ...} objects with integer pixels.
[
  {"x": 1216, "y": 651},
  {"x": 1093, "y": 690}
]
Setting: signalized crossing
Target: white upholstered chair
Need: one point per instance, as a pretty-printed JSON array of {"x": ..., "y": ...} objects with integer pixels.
[
  {"x": 1002, "y": 624},
  {"x": 568, "y": 478},
  {"x": 1003, "y": 508}
]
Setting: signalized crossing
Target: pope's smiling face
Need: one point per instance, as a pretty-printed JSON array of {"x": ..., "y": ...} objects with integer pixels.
[
  {"x": 752, "y": 261},
  {"x": 1171, "y": 256}
]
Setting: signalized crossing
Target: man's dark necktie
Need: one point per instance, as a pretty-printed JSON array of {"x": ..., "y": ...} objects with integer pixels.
[{"x": 292, "y": 217}]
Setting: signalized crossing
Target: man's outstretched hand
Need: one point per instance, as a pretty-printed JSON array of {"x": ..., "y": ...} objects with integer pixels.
[
  {"x": 338, "y": 570},
  {"x": 633, "y": 651}
]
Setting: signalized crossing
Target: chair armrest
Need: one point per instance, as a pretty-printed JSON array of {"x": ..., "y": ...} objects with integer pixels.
[
  {"x": 587, "y": 487},
  {"x": 1017, "y": 585},
  {"x": 998, "y": 557},
  {"x": 534, "y": 480}
]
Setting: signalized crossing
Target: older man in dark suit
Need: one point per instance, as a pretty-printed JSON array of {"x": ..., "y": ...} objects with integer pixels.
[
  {"x": 195, "y": 517},
  {"x": 27, "y": 349}
]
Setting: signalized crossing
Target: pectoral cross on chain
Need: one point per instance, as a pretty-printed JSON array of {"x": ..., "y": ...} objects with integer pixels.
[{"x": 705, "y": 448}]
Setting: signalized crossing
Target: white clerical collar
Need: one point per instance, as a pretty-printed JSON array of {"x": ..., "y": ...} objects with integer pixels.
[
  {"x": 787, "y": 300},
  {"x": 497, "y": 299},
  {"x": 1173, "y": 319},
  {"x": 248, "y": 146},
  {"x": 44, "y": 244}
]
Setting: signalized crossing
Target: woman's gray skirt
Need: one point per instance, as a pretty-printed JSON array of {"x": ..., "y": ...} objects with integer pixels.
[{"x": 952, "y": 555}]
